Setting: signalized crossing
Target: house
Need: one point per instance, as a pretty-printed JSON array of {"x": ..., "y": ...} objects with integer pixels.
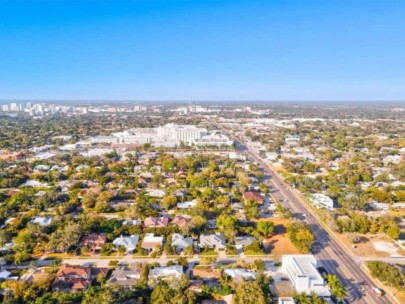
[
  {"x": 72, "y": 279},
  {"x": 206, "y": 273},
  {"x": 170, "y": 274},
  {"x": 135, "y": 222},
  {"x": 34, "y": 275},
  {"x": 126, "y": 275},
  {"x": 187, "y": 205},
  {"x": 4, "y": 275},
  {"x": 179, "y": 193},
  {"x": 286, "y": 300},
  {"x": 253, "y": 195},
  {"x": 43, "y": 168},
  {"x": 129, "y": 242},
  {"x": 322, "y": 201},
  {"x": 240, "y": 273},
  {"x": 156, "y": 192},
  {"x": 181, "y": 220},
  {"x": 94, "y": 241},
  {"x": 180, "y": 242},
  {"x": 216, "y": 241},
  {"x": 242, "y": 241},
  {"x": 305, "y": 277},
  {"x": 42, "y": 221},
  {"x": 196, "y": 286},
  {"x": 150, "y": 241},
  {"x": 156, "y": 222}
]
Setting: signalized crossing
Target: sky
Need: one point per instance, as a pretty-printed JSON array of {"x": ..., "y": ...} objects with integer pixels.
[{"x": 203, "y": 50}]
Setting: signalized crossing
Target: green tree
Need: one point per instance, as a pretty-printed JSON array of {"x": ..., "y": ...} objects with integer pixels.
[
  {"x": 249, "y": 292},
  {"x": 393, "y": 230},
  {"x": 265, "y": 228}
]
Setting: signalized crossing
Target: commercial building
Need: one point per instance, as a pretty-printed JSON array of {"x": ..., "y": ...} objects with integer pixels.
[{"x": 302, "y": 271}]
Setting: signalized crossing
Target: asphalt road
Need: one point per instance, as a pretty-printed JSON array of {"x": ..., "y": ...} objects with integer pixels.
[{"x": 328, "y": 251}]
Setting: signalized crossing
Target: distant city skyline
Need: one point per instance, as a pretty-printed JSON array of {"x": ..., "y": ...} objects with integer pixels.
[{"x": 236, "y": 51}]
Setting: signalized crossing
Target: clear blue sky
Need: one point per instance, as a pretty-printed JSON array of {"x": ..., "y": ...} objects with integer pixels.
[{"x": 203, "y": 50}]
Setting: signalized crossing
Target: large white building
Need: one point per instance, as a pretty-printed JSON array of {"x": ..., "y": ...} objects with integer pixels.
[
  {"x": 169, "y": 135},
  {"x": 216, "y": 138},
  {"x": 181, "y": 133},
  {"x": 302, "y": 271}
]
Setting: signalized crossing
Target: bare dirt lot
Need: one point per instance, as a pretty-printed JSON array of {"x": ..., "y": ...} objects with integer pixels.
[
  {"x": 374, "y": 246},
  {"x": 280, "y": 243}
]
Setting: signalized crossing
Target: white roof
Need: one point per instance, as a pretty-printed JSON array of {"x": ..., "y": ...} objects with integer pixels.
[
  {"x": 42, "y": 221},
  {"x": 286, "y": 300},
  {"x": 5, "y": 274},
  {"x": 241, "y": 272},
  {"x": 186, "y": 205},
  {"x": 127, "y": 241},
  {"x": 302, "y": 271},
  {"x": 168, "y": 271},
  {"x": 151, "y": 238},
  {"x": 180, "y": 241}
]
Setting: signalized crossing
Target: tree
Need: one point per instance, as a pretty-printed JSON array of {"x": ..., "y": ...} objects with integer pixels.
[
  {"x": 121, "y": 250},
  {"x": 336, "y": 286},
  {"x": 300, "y": 236},
  {"x": 163, "y": 294},
  {"x": 63, "y": 238},
  {"x": 259, "y": 265},
  {"x": 303, "y": 298},
  {"x": 249, "y": 292},
  {"x": 227, "y": 224},
  {"x": 265, "y": 228},
  {"x": 393, "y": 230},
  {"x": 251, "y": 209},
  {"x": 387, "y": 273},
  {"x": 168, "y": 202}
]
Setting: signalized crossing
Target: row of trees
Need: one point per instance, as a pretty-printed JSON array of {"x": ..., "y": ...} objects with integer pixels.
[
  {"x": 390, "y": 275},
  {"x": 357, "y": 223}
]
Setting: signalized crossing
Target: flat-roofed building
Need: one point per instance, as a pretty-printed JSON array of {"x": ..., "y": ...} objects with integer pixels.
[{"x": 302, "y": 271}]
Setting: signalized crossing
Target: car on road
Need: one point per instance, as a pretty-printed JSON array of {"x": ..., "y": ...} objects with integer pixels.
[{"x": 376, "y": 291}]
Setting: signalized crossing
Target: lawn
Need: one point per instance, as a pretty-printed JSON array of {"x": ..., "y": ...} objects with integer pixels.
[{"x": 209, "y": 252}]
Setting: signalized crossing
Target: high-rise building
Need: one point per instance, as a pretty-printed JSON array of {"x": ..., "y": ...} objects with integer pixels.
[{"x": 13, "y": 107}]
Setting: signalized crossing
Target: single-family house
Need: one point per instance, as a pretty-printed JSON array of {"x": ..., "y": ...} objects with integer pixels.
[
  {"x": 180, "y": 242},
  {"x": 150, "y": 241},
  {"x": 126, "y": 275},
  {"x": 181, "y": 220},
  {"x": 156, "y": 192},
  {"x": 216, "y": 241},
  {"x": 240, "y": 273},
  {"x": 242, "y": 241},
  {"x": 187, "y": 205},
  {"x": 72, "y": 279},
  {"x": 42, "y": 221},
  {"x": 170, "y": 274},
  {"x": 152, "y": 222},
  {"x": 253, "y": 195},
  {"x": 206, "y": 273},
  {"x": 94, "y": 241},
  {"x": 129, "y": 242}
]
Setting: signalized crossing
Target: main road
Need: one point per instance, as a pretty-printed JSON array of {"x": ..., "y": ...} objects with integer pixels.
[{"x": 332, "y": 255}]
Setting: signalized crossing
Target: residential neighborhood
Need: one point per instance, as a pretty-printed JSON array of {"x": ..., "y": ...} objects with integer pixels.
[{"x": 207, "y": 223}]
